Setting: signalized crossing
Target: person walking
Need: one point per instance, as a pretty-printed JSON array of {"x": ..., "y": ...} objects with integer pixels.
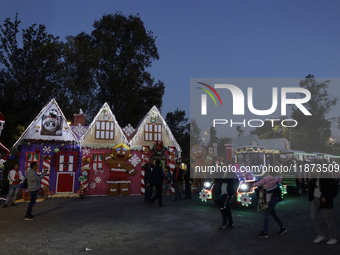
[
  {"x": 148, "y": 168},
  {"x": 167, "y": 181},
  {"x": 187, "y": 182},
  {"x": 157, "y": 178},
  {"x": 322, "y": 190},
  {"x": 275, "y": 198},
  {"x": 15, "y": 178},
  {"x": 34, "y": 184},
  {"x": 225, "y": 183}
]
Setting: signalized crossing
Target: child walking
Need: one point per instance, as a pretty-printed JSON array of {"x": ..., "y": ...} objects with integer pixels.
[{"x": 269, "y": 183}]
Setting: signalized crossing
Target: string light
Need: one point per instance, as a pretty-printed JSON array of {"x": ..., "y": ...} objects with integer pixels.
[
  {"x": 105, "y": 110},
  {"x": 256, "y": 150},
  {"x": 140, "y": 135}
]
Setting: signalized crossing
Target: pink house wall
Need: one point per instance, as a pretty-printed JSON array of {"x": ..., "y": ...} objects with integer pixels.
[{"x": 98, "y": 179}]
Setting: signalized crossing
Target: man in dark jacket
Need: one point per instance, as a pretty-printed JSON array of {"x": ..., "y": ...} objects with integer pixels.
[
  {"x": 148, "y": 168},
  {"x": 157, "y": 178},
  {"x": 227, "y": 192},
  {"x": 34, "y": 184},
  {"x": 322, "y": 190}
]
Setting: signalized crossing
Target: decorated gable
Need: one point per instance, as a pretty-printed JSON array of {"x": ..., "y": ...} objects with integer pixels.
[
  {"x": 153, "y": 132},
  {"x": 104, "y": 131},
  {"x": 49, "y": 125}
]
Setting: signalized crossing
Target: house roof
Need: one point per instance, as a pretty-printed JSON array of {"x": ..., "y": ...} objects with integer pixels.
[
  {"x": 101, "y": 145},
  {"x": 53, "y": 112},
  {"x": 152, "y": 113}
]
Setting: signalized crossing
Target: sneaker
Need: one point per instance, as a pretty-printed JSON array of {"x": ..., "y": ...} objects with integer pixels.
[
  {"x": 265, "y": 207},
  {"x": 282, "y": 230},
  {"x": 13, "y": 204},
  {"x": 4, "y": 206},
  {"x": 263, "y": 235},
  {"x": 34, "y": 216},
  {"x": 332, "y": 241},
  {"x": 29, "y": 218},
  {"x": 223, "y": 227},
  {"x": 230, "y": 226},
  {"x": 318, "y": 239}
]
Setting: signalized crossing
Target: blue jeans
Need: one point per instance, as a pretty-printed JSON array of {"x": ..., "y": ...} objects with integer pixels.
[
  {"x": 271, "y": 211},
  {"x": 33, "y": 195},
  {"x": 15, "y": 189}
]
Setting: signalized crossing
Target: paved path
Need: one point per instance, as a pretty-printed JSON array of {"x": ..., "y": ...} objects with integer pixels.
[{"x": 124, "y": 225}]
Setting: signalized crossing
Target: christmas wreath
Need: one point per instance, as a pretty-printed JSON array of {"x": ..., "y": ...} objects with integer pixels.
[{"x": 158, "y": 147}]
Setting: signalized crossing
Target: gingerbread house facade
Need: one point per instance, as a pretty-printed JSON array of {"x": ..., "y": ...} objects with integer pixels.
[
  {"x": 50, "y": 142},
  {"x": 153, "y": 140},
  {"x": 105, "y": 175}
]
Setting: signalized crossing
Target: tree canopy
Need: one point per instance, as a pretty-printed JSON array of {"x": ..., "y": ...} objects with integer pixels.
[
  {"x": 87, "y": 70},
  {"x": 180, "y": 128},
  {"x": 30, "y": 74},
  {"x": 312, "y": 132},
  {"x": 127, "y": 49}
]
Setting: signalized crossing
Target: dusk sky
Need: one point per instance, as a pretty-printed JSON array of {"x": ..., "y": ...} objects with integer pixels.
[{"x": 210, "y": 39}]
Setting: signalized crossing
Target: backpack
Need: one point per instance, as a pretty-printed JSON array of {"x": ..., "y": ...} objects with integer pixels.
[{"x": 25, "y": 184}]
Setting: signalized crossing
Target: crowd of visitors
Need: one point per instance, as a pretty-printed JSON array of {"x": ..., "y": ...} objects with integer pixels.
[{"x": 322, "y": 190}]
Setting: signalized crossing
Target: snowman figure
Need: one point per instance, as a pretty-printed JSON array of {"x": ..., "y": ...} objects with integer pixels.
[{"x": 51, "y": 124}]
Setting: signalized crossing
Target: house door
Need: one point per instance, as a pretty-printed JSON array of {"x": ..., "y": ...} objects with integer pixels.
[
  {"x": 65, "y": 182},
  {"x": 162, "y": 158}
]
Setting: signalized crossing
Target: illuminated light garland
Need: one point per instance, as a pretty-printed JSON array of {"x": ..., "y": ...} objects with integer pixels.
[
  {"x": 172, "y": 164},
  {"x": 256, "y": 150},
  {"x": 245, "y": 199},
  {"x": 33, "y": 124},
  {"x": 139, "y": 134}
]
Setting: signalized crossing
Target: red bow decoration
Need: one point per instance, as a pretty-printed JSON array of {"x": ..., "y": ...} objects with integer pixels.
[{"x": 159, "y": 145}]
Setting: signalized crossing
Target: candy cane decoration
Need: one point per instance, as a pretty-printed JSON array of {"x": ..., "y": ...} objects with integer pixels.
[
  {"x": 45, "y": 182},
  {"x": 84, "y": 184},
  {"x": 84, "y": 172},
  {"x": 145, "y": 159},
  {"x": 172, "y": 162}
]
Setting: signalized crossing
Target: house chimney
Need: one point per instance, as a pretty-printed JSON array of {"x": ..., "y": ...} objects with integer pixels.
[{"x": 79, "y": 118}]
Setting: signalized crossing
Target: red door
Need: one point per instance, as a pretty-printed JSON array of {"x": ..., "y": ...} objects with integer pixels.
[{"x": 65, "y": 182}]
